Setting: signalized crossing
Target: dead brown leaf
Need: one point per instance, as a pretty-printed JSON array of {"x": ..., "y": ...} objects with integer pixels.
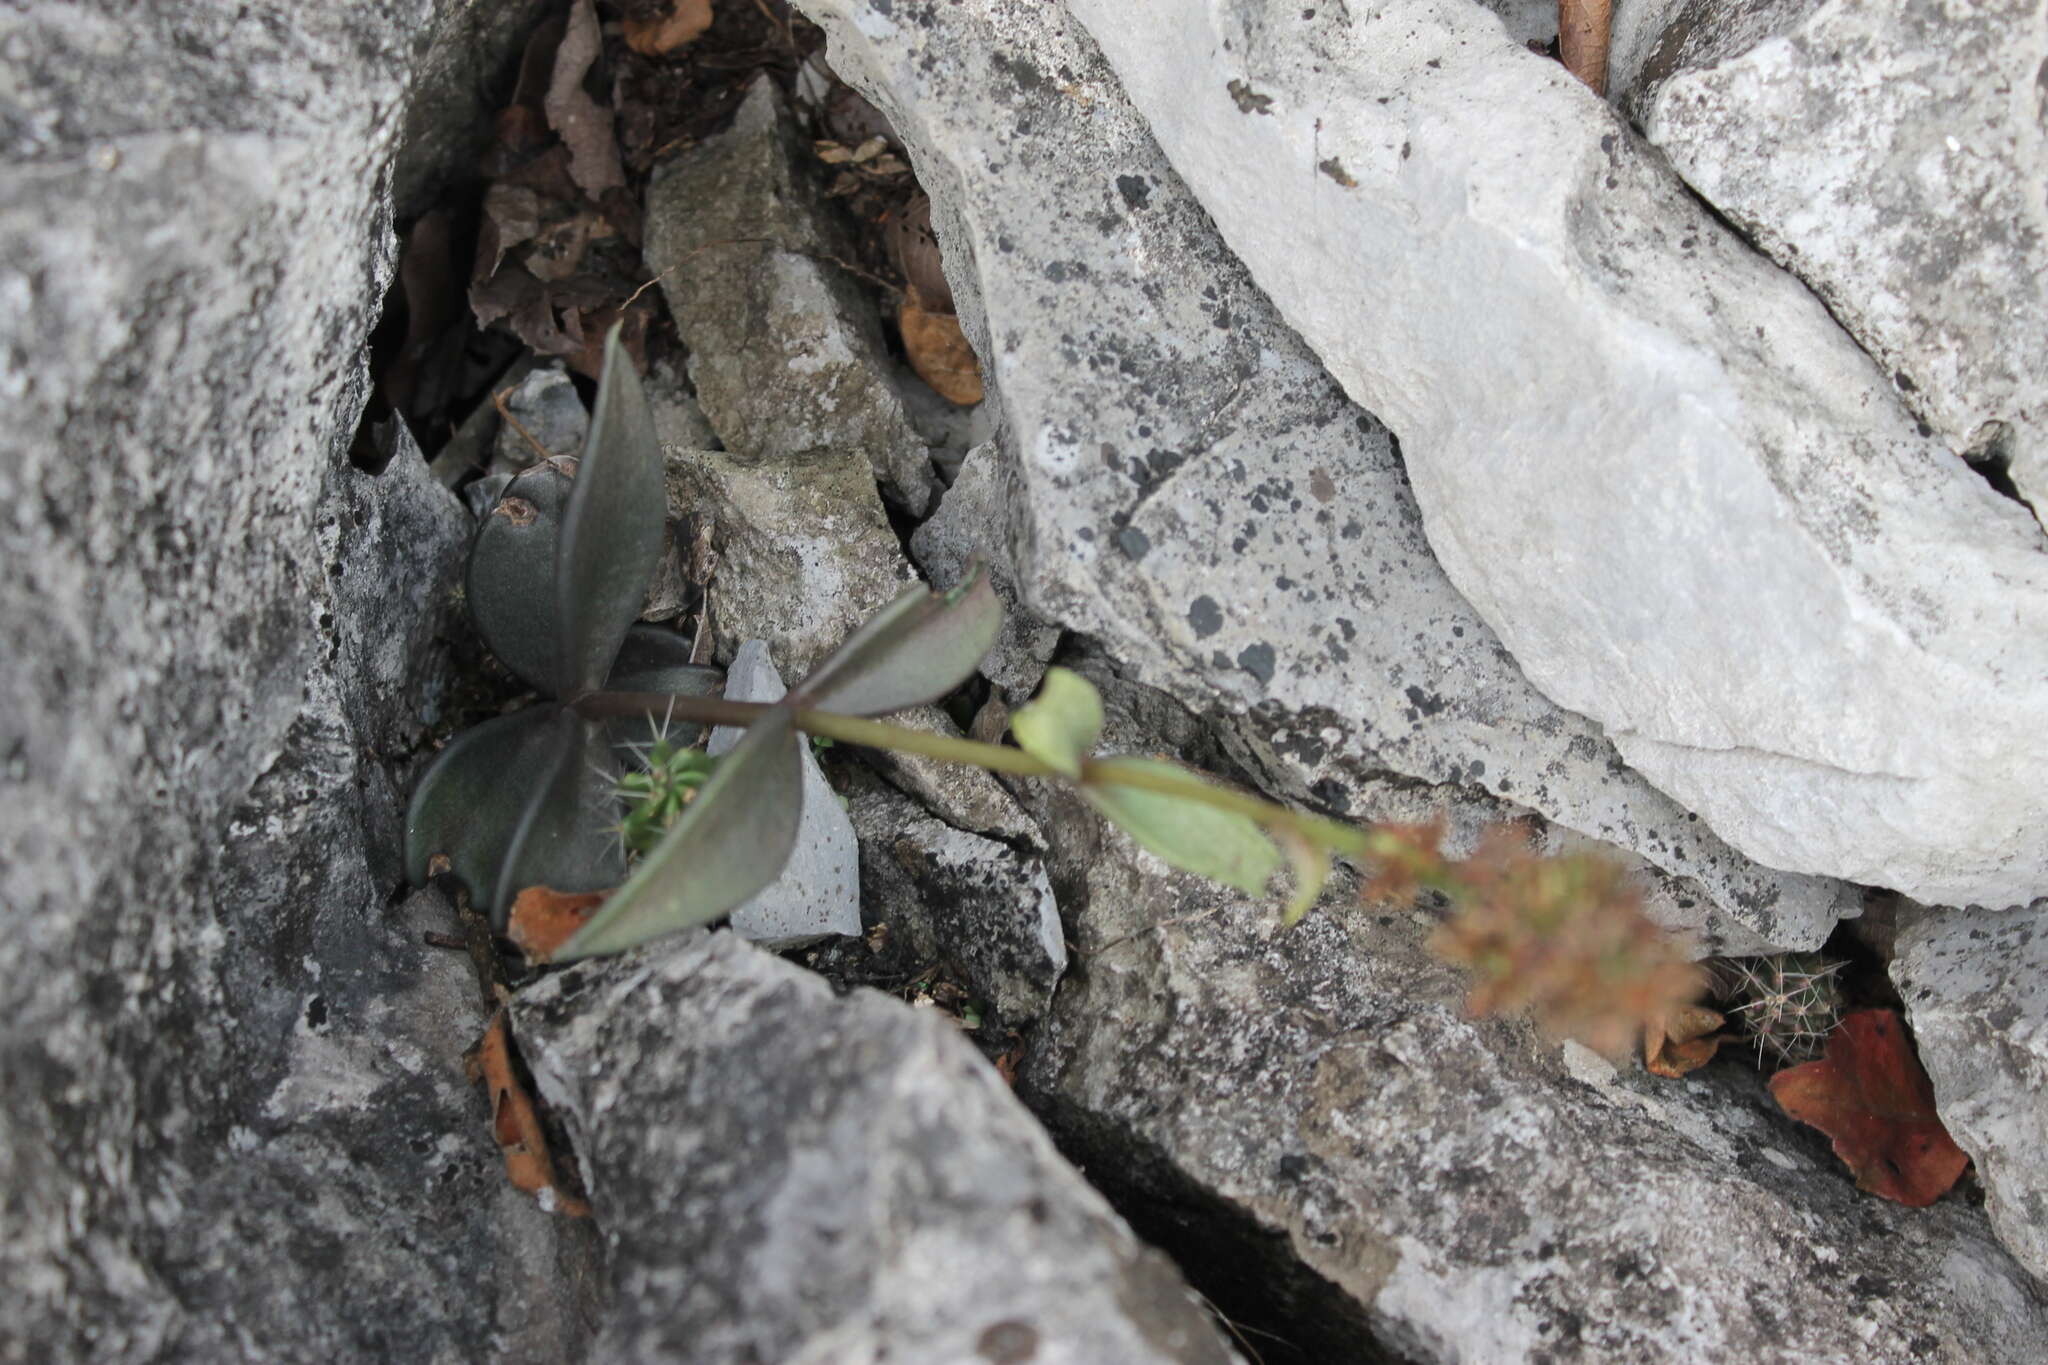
[
  {"x": 516, "y": 1126},
  {"x": 1681, "y": 1039},
  {"x": 585, "y": 126},
  {"x": 939, "y": 352},
  {"x": 543, "y": 919},
  {"x": 682, "y": 23},
  {"x": 1583, "y": 27},
  {"x": 1871, "y": 1096}
]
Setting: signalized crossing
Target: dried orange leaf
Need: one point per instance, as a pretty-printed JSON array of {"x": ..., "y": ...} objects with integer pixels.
[
  {"x": 1681, "y": 1039},
  {"x": 939, "y": 352},
  {"x": 681, "y": 23},
  {"x": 515, "y": 1124},
  {"x": 543, "y": 919},
  {"x": 1871, "y": 1096}
]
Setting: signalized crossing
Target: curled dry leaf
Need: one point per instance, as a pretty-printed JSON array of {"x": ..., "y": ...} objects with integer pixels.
[
  {"x": 680, "y": 23},
  {"x": 1583, "y": 27},
  {"x": 1682, "y": 1039},
  {"x": 939, "y": 352},
  {"x": 543, "y": 919},
  {"x": 516, "y": 1126},
  {"x": 1871, "y": 1096}
]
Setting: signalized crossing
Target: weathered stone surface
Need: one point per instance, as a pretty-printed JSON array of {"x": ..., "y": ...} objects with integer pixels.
[
  {"x": 1693, "y": 510},
  {"x": 789, "y": 1175},
  {"x": 551, "y": 417},
  {"x": 818, "y": 893},
  {"x": 1975, "y": 984},
  {"x": 785, "y": 349},
  {"x": 233, "y": 1121},
  {"x": 948, "y": 896},
  {"x": 1891, "y": 156},
  {"x": 1347, "y": 1161},
  {"x": 1178, "y": 477}
]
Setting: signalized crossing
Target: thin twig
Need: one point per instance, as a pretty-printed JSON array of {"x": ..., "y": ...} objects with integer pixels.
[{"x": 498, "y": 401}]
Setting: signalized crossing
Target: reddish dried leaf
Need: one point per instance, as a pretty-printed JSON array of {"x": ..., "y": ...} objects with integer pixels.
[
  {"x": 543, "y": 919},
  {"x": 1681, "y": 1039},
  {"x": 939, "y": 352},
  {"x": 515, "y": 1124},
  {"x": 585, "y": 125},
  {"x": 1871, "y": 1096},
  {"x": 681, "y": 23}
]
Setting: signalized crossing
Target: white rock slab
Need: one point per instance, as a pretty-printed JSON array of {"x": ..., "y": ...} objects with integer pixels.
[
  {"x": 1691, "y": 507},
  {"x": 1177, "y": 477},
  {"x": 1975, "y": 985},
  {"x": 1892, "y": 156},
  {"x": 818, "y": 893}
]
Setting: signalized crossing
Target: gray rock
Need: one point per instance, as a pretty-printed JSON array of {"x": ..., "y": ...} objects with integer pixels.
[
  {"x": 1693, "y": 510},
  {"x": 818, "y": 893},
  {"x": 785, "y": 348},
  {"x": 789, "y": 1175},
  {"x": 1975, "y": 983},
  {"x": 233, "y": 1121},
  {"x": 1349, "y": 1162},
  {"x": 465, "y": 75},
  {"x": 948, "y": 896},
  {"x": 967, "y": 798},
  {"x": 1890, "y": 157},
  {"x": 545, "y": 403},
  {"x": 1177, "y": 476}
]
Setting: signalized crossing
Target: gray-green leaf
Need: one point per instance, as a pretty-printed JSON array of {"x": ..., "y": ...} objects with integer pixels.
[
  {"x": 1185, "y": 832},
  {"x": 567, "y": 838},
  {"x": 915, "y": 650},
  {"x": 1061, "y": 724},
  {"x": 511, "y": 574},
  {"x": 732, "y": 841}
]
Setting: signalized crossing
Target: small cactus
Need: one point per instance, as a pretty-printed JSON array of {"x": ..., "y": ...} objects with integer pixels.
[{"x": 1787, "y": 1003}]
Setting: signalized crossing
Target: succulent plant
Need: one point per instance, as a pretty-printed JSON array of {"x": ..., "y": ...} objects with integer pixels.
[{"x": 1786, "y": 1004}]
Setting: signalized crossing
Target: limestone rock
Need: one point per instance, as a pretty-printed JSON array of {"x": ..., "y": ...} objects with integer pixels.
[
  {"x": 790, "y": 1175},
  {"x": 1177, "y": 477},
  {"x": 785, "y": 349},
  {"x": 949, "y": 896},
  {"x": 1891, "y": 157},
  {"x": 550, "y": 411},
  {"x": 1694, "y": 511},
  {"x": 818, "y": 893},
  {"x": 1975, "y": 985}
]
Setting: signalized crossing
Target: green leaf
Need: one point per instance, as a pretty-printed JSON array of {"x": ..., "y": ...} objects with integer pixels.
[
  {"x": 511, "y": 574},
  {"x": 1061, "y": 724},
  {"x": 1311, "y": 865},
  {"x": 657, "y": 659},
  {"x": 1185, "y": 832},
  {"x": 566, "y": 838},
  {"x": 469, "y": 803},
  {"x": 915, "y": 650},
  {"x": 732, "y": 841},
  {"x": 611, "y": 529}
]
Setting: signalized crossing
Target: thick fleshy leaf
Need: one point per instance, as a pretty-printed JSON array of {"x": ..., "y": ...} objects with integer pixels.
[
  {"x": 732, "y": 841},
  {"x": 1060, "y": 725},
  {"x": 511, "y": 574},
  {"x": 469, "y": 804},
  {"x": 1189, "y": 834},
  {"x": 567, "y": 837},
  {"x": 913, "y": 651},
  {"x": 656, "y": 659},
  {"x": 612, "y": 527}
]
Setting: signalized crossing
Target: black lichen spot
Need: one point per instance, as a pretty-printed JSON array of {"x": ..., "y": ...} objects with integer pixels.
[
  {"x": 1257, "y": 660},
  {"x": 1428, "y": 703},
  {"x": 1334, "y": 168},
  {"x": 1134, "y": 190},
  {"x": 1205, "y": 616},
  {"x": 316, "y": 1014},
  {"x": 1248, "y": 100},
  {"x": 1133, "y": 542}
]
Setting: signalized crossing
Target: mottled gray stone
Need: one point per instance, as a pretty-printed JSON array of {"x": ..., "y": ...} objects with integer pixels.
[
  {"x": 786, "y": 1174},
  {"x": 1692, "y": 509},
  {"x": 1892, "y": 157},
  {"x": 955, "y": 898},
  {"x": 233, "y": 1120},
  {"x": 546, "y": 404},
  {"x": 818, "y": 893},
  {"x": 1176, "y": 476},
  {"x": 1347, "y": 1161},
  {"x": 785, "y": 347},
  {"x": 1975, "y": 983}
]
